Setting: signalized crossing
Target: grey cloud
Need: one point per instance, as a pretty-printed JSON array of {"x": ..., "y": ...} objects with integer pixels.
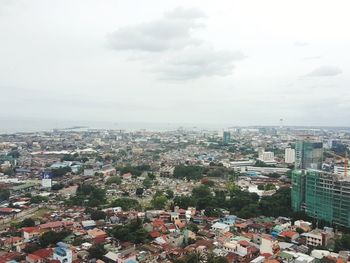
[
  {"x": 168, "y": 48},
  {"x": 325, "y": 71},
  {"x": 312, "y": 58},
  {"x": 185, "y": 13},
  {"x": 301, "y": 44},
  {"x": 172, "y": 31},
  {"x": 197, "y": 62}
]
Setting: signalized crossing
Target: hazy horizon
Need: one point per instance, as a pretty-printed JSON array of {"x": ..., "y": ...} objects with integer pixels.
[{"x": 32, "y": 125}]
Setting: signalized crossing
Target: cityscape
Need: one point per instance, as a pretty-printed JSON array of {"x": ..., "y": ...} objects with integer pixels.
[
  {"x": 244, "y": 194},
  {"x": 174, "y": 131}
]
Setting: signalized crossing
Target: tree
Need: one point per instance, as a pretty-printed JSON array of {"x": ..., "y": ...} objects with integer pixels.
[
  {"x": 269, "y": 187},
  {"x": 38, "y": 199},
  {"x": 299, "y": 230},
  {"x": 97, "y": 251},
  {"x": 184, "y": 201},
  {"x": 4, "y": 194},
  {"x": 252, "y": 210},
  {"x": 207, "y": 182},
  {"x": 147, "y": 183},
  {"x": 192, "y": 227},
  {"x": 28, "y": 222},
  {"x": 57, "y": 187},
  {"x": 211, "y": 212},
  {"x": 151, "y": 176},
  {"x": 31, "y": 247},
  {"x": 133, "y": 232},
  {"x": 280, "y": 201},
  {"x": 97, "y": 215},
  {"x": 114, "y": 180},
  {"x": 189, "y": 172},
  {"x": 232, "y": 188},
  {"x": 14, "y": 154},
  {"x": 343, "y": 243},
  {"x": 169, "y": 194},
  {"x": 58, "y": 172},
  {"x": 88, "y": 195},
  {"x": 201, "y": 191},
  {"x": 78, "y": 241},
  {"x": 159, "y": 202},
  {"x": 216, "y": 259},
  {"x": 195, "y": 257},
  {"x": 52, "y": 237},
  {"x": 139, "y": 191},
  {"x": 126, "y": 204}
]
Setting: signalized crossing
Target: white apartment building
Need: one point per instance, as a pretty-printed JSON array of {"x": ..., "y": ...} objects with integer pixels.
[
  {"x": 289, "y": 155},
  {"x": 267, "y": 157}
]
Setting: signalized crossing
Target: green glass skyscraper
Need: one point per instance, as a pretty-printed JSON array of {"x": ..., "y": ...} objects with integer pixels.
[
  {"x": 308, "y": 155},
  {"x": 226, "y": 137}
]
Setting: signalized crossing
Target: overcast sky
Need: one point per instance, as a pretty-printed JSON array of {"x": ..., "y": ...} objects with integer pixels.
[{"x": 232, "y": 62}]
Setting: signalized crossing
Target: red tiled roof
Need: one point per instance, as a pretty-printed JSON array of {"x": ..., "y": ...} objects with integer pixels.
[
  {"x": 9, "y": 256},
  {"x": 99, "y": 240},
  {"x": 266, "y": 255},
  {"x": 34, "y": 257},
  {"x": 154, "y": 234},
  {"x": 30, "y": 229},
  {"x": 6, "y": 210},
  {"x": 12, "y": 240},
  {"x": 289, "y": 234},
  {"x": 158, "y": 223},
  {"x": 244, "y": 243},
  {"x": 44, "y": 252},
  {"x": 271, "y": 261}
]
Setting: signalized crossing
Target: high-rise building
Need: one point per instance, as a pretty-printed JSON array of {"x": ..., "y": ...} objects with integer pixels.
[
  {"x": 46, "y": 179},
  {"x": 323, "y": 196},
  {"x": 289, "y": 155},
  {"x": 226, "y": 137},
  {"x": 308, "y": 155}
]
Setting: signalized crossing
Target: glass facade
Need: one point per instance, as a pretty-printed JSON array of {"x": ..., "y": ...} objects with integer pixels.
[{"x": 308, "y": 155}]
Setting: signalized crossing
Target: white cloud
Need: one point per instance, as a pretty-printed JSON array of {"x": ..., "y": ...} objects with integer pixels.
[
  {"x": 172, "y": 31},
  {"x": 192, "y": 63},
  {"x": 168, "y": 48},
  {"x": 325, "y": 71}
]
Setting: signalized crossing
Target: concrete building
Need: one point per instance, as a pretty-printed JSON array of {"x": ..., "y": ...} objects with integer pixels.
[
  {"x": 340, "y": 170},
  {"x": 267, "y": 156},
  {"x": 318, "y": 237},
  {"x": 289, "y": 155},
  {"x": 322, "y": 196}
]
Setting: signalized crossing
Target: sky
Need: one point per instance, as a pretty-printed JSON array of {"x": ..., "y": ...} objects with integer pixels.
[{"x": 232, "y": 62}]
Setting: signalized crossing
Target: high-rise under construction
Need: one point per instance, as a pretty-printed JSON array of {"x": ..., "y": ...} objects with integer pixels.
[{"x": 322, "y": 196}]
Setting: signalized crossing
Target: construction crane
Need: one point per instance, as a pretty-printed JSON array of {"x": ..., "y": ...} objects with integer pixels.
[{"x": 345, "y": 160}]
